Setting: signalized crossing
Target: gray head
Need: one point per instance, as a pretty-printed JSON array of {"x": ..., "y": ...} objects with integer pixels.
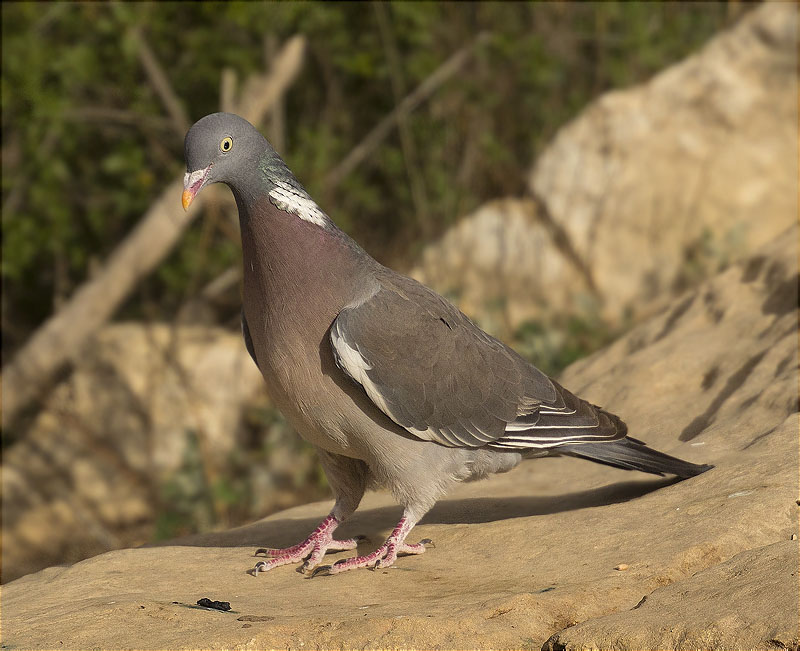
[{"x": 224, "y": 148}]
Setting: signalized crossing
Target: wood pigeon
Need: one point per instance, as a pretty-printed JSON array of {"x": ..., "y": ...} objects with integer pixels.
[{"x": 392, "y": 384}]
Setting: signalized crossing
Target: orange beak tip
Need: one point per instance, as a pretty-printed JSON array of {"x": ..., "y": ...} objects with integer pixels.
[{"x": 186, "y": 199}]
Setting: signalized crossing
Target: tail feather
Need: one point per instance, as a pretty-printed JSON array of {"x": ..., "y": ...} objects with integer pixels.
[{"x": 631, "y": 454}]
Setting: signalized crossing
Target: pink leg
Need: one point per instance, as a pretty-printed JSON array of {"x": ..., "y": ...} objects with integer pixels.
[
  {"x": 312, "y": 549},
  {"x": 385, "y": 555}
]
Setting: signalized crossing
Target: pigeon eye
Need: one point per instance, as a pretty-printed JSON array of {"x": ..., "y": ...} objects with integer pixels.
[{"x": 226, "y": 144}]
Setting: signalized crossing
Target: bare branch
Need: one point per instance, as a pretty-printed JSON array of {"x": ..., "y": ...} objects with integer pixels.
[
  {"x": 540, "y": 212},
  {"x": 276, "y": 127},
  {"x": 223, "y": 283},
  {"x": 421, "y": 93},
  {"x": 120, "y": 116},
  {"x": 227, "y": 90},
  {"x": 17, "y": 195},
  {"x": 158, "y": 79},
  {"x": 262, "y": 91},
  {"x": 415, "y": 179},
  {"x": 91, "y": 305}
]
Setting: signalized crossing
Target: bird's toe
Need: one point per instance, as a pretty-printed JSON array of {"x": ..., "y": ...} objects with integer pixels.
[{"x": 321, "y": 570}]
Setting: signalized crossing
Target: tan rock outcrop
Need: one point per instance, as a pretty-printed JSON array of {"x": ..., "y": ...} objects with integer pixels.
[
  {"x": 500, "y": 265},
  {"x": 528, "y": 558},
  {"x": 651, "y": 189},
  {"x": 82, "y": 480}
]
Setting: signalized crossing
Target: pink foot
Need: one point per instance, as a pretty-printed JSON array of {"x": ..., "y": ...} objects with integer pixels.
[
  {"x": 384, "y": 556},
  {"x": 312, "y": 549}
]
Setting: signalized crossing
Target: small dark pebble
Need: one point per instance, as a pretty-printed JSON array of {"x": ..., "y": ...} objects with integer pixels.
[
  {"x": 546, "y": 589},
  {"x": 254, "y": 618},
  {"x": 216, "y": 605},
  {"x": 247, "y": 626}
]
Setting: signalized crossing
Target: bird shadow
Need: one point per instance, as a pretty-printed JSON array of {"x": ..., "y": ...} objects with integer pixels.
[{"x": 376, "y": 522}]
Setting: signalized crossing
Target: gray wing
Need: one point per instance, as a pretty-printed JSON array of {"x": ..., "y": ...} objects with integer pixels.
[
  {"x": 435, "y": 373},
  {"x": 248, "y": 341}
]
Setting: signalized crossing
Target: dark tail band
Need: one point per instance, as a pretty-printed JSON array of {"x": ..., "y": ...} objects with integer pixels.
[{"x": 630, "y": 454}]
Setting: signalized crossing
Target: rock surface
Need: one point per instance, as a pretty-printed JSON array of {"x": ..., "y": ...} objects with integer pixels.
[
  {"x": 500, "y": 263},
  {"x": 734, "y": 608},
  {"x": 525, "y": 559},
  {"x": 651, "y": 189},
  {"x": 82, "y": 481}
]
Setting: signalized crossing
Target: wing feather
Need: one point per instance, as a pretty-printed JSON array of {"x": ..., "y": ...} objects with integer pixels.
[{"x": 434, "y": 372}]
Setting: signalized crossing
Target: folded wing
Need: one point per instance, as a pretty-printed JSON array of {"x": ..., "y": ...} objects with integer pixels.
[{"x": 434, "y": 372}]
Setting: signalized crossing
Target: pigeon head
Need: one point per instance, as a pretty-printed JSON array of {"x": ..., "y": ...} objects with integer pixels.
[{"x": 222, "y": 148}]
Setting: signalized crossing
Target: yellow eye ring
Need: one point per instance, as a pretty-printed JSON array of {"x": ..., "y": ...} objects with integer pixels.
[{"x": 226, "y": 144}]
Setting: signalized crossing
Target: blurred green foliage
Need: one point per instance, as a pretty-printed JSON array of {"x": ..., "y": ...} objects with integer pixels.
[
  {"x": 87, "y": 145},
  {"x": 554, "y": 345}
]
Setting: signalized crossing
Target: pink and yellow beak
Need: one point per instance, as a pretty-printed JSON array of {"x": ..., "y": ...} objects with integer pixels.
[{"x": 193, "y": 182}]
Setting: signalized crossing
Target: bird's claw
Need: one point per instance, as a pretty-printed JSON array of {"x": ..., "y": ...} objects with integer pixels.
[
  {"x": 261, "y": 550},
  {"x": 426, "y": 542},
  {"x": 261, "y": 565},
  {"x": 322, "y": 570},
  {"x": 306, "y": 567}
]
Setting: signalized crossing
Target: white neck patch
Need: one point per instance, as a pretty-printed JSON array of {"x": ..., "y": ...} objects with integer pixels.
[{"x": 292, "y": 200}]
